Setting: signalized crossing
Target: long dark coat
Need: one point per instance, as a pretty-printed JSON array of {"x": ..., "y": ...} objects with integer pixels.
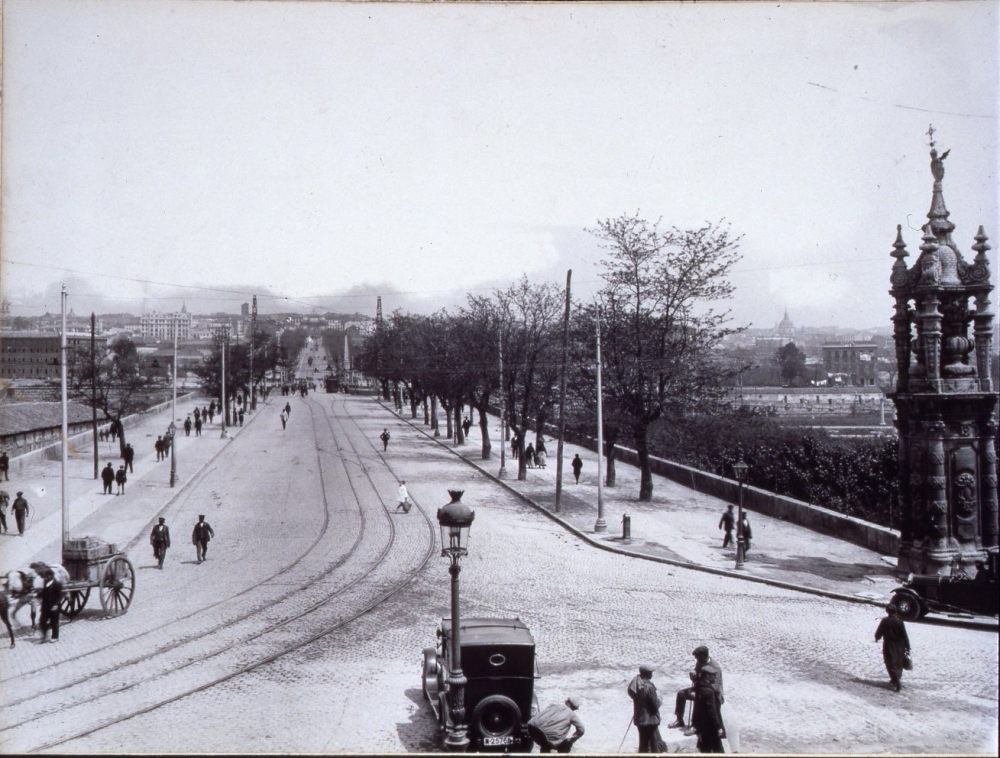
[{"x": 895, "y": 644}]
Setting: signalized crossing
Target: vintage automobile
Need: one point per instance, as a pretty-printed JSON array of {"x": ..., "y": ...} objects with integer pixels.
[
  {"x": 955, "y": 594},
  {"x": 498, "y": 660}
]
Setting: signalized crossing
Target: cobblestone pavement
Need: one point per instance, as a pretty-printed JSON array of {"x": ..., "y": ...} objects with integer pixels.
[{"x": 803, "y": 673}]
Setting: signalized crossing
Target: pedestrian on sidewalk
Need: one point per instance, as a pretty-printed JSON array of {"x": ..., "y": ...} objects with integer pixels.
[
  {"x": 200, "y": 536},
  {"x": 159, "y": 448},
  {"x": 108, "y": 477},
  {"x": 728, "y": 522},
  {"x": 4, "y": 502},
  {"x": 187, "y": 427},
  {"x": 288, "y": 410},
  {"x": 129, "y": 456},
  {"x": 703, "y": 660},
  {"x": 121, "y": 479},
  {"x": 284, "y": 419},
  {"x": 747, "y": 534},
  {"x": 577, "y": 465},
  {"x": 550, "y": 728},
  {"x": 241, "y": 417},
  {"x": 211, "y": 411},
  {"x": 646, "y": 711},
  {"x": 404, "y": 499},
  {"x": 4, "y": 612},
  {"x": 197, "y": 426},
  {"x": 466, "y": 426},
  {"x": 4, "y": 465},
  {"x": 895, "y": 646},
  {"x": 159, "y": 538},
  {"x": 384, "y": 436},
  {"x": 529, "y": 456},
  {"x": 706, "y": 719},
  {"x": 20, "y": 509},
  {"x": 50, "y": 596}
]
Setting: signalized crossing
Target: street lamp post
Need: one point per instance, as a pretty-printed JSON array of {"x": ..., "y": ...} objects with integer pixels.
[
  {"x": 173, "y": 414},
  {"x": 223, "y": 410},
  {"x": 740, "y": 469},
  {"x": 455, "y": 519}
]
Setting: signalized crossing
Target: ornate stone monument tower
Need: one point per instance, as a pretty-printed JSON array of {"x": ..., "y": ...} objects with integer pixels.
[{"x": 946, "y": 406}]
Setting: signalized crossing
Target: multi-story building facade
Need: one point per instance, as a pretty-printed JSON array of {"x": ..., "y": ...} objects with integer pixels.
[
  {"x": 160, "y": 326},
  {"x": 35, "y": 355},
  {"x": 856, "y": 363}
]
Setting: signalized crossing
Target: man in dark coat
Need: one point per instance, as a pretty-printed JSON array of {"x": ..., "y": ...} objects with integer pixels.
[
  {"x": 129, "y": 456},
  {"x": 747, "y": 534},
  {"x": 577, "y": 465},
  {"x": 187, "y": 427},
  {"x": 646, "y": 710},
  {"x": 50, "y": 596},
  {"x": 20, "y": 509},
  {"x": 197, "y": 426},
  {"x": 159, "y": 538},
  {"x": 384, "y": 436},
  {"x": 705, "y": 719},
  {"x": 108, "y": 477},
  {"x": 727, "y": 522},
  {"x": 895, "y": 645},
  {"x": 121, "y": 479},
  {"x": 4, "y": 466},
  {"x": 200, "y": 536},
  {"x": 702, "y": 662},
  {"x": 159, "y": 448}
]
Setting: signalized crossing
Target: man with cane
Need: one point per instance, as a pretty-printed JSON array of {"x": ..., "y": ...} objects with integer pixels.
[{"x": 646, "y": 711}]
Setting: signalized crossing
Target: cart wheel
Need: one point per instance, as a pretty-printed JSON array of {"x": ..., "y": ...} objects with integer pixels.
[
  {"x": 73, "y": 602},
  {"x": 117, "y": 585}
]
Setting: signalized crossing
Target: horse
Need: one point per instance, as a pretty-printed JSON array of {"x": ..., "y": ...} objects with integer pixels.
[
  {"x": 4, "y": 616},
  {"x": 23, "y": 586}
]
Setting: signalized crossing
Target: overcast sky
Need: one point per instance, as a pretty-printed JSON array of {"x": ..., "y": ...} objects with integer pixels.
[{"x": 423, "y": 151}]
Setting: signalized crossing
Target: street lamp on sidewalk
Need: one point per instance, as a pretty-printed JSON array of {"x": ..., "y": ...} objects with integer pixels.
[
  {"x": 455, "y": 519},
  {"x": 740, "y": 469}
]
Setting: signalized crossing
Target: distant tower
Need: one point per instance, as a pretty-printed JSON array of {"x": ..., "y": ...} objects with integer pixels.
[{"x": 946, "y": 406}]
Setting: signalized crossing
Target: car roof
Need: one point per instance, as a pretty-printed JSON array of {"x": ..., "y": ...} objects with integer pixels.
[{"x": 480, "y": 630}]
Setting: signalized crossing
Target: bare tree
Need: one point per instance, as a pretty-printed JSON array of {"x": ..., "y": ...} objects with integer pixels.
[{"x": 660, "y": 333}]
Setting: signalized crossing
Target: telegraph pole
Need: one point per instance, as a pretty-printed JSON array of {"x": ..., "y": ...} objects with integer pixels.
[
  {"x": 562, "y": 397},
  {"x": 93, "y": 387},
  {"x": 600, "y": 525}
]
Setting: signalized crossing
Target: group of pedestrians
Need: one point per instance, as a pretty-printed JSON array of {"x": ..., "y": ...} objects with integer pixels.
[
  {"x": 159, "y": 539},
  {"x": 728, "y": 524}
]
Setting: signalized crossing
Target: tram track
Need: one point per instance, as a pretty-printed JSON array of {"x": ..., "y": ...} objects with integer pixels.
[{"x": 228, "y": 660}]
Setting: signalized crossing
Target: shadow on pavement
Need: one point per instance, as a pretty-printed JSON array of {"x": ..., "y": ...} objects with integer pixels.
[
  {"x": 420, "y": 734},
  {"x": 826, "y": 568}
]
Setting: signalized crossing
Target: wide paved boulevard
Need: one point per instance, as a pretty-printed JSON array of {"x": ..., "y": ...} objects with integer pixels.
[{"x": 304, "y": 629}]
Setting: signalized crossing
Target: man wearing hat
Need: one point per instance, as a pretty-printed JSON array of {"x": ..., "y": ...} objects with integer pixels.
[
  {"x": 200, "y": 536},
  {"x": 159, "y": 538},
  {"x": 4, "y": 502},
  {"x": 20, "y": 509},
  {"x": 713, "y": 675},
  {"x": 4, "y": 465},
  {"x": 895, "y": 645},
  {"x": 728, "y": 522},
  {"x": 705, "y": 718},
  {"x": 646, "y": 711},
  {"x": 108, "y": 477},
  {"x": 550, "y": 728},
  {"x": 50, "y": 596}
]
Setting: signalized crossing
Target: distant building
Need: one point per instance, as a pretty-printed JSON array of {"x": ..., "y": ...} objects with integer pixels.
[
  {"x": 853, "y": 363},
  {"x": 160, "y": 326},
  {"x": 35, "y": 355}
]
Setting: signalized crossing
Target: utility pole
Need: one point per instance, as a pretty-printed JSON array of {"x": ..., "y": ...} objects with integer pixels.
[
  {"x": 600, "y": 525},
  {"x": 562, "y": 397},
  {"x": 224, "y": 409},
  {"x": 93, "y": 387},
  {"x": 65, "y": 425},
  {"x": 502, "y": 474},
  {"x": 173, "y": 414},
  {"x": 253, "y": 328}
]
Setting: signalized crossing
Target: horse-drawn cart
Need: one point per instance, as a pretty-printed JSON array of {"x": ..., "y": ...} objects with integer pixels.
[{"x": 94, "y": 563}]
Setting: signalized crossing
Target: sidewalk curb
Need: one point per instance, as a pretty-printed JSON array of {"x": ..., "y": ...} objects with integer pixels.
[
  {"x": 195, "y": 477},
  {"x": 671, "y": 562}
]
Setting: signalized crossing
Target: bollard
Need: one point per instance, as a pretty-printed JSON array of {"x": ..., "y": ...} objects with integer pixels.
[{"x": 626, "y": 527}]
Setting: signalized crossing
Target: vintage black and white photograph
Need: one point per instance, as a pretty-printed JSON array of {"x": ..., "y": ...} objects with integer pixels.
[{"x": 499, "y": 377}]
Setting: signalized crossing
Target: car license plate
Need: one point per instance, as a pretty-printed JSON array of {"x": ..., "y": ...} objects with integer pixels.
[{"x": 495, "y": 741}]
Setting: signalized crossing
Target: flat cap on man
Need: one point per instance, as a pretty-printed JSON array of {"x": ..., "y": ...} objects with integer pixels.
[
  {"x": 573, "y": 702},
  {"x": 645, "y": 669},
  {"x": 700, "y": 650}
]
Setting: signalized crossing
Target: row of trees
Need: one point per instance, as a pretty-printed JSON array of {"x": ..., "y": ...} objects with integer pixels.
[
  {"x": 659, "y": 334},
  {"x": 118, "y": 383}
]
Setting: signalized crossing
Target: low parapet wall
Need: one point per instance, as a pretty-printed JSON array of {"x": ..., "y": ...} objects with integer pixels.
[{"x": 819, "y": 519}]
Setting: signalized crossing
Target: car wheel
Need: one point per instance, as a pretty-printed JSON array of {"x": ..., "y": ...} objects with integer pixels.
[
  {"x": 907, "y": 606},
  {"x": 496, "y": 716},
  {"x": 430, "y": 670}
]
